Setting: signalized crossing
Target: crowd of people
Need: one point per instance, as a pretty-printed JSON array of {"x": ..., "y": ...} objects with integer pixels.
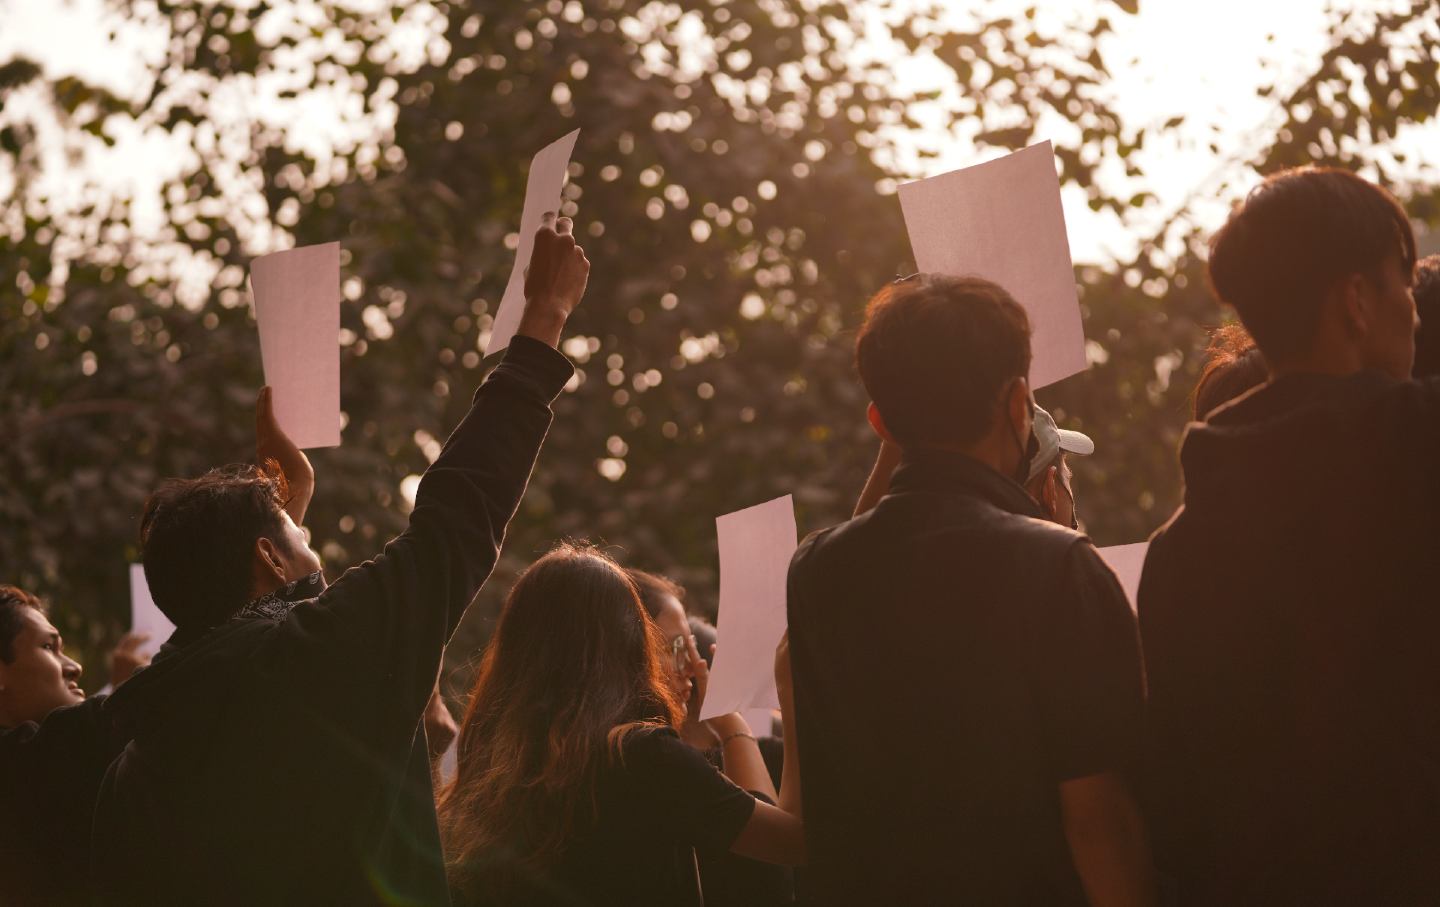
[{"x": 977, "y": 712}]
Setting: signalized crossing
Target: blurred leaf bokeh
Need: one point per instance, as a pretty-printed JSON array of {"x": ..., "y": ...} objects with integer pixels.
[{"x": 733, "y": 185}]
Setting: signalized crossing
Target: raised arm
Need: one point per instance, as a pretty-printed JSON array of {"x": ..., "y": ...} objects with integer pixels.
[
  {"x": 383, "y": 625},
  {"x": 273, "y": 445}
]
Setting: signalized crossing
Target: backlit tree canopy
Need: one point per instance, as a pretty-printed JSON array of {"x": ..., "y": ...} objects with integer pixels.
[{"x": 733, "y": 185}]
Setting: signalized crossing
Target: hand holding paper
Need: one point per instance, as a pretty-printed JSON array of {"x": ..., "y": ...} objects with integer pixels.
[
  {"x": 297, "y": 310},
  {"x": 542, "y": 196},
  {"x": 756, "y": 545},
  {"x": 554, "y": 282}
]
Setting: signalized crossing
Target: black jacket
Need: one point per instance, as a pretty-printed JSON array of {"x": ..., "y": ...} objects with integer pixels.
[
  {"x": 955, "y": 658},
  {"x": 49, "y": 775},
  {"x": 1291, "y": 618},
  {"x": 277, "y": 759}
]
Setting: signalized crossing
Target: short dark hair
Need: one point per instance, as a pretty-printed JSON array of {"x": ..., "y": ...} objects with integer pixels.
[
  {"x": 1427, "y": 303},
  {"x": 653, "y": 588},
  {"x": 1294, "y": 237},
  {"x": 14, "y": 601},
  {"x": 1233, "y": 366},
  {"x": 198, "y": 536},
  {"x": 935, "y": 352}
]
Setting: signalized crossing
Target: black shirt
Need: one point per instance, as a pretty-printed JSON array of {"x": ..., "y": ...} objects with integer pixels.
[
  {"x": 49, "y": 774},
  {"x": 277, "y": 758},
  {"x": 1003, "y": 652},
  {"x": 1291, "y": 618},
  {"x": 654, "y": 806}
]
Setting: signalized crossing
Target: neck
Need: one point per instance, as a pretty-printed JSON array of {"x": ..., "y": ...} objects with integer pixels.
[
  {"x": 1332, "y": 351},
  {"x": 993, "y": 450}
]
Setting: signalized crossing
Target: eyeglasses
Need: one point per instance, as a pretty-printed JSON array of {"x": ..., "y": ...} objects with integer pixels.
[
  {"x": 680, "y": 653},
  {"x": 907, "y": 278}
]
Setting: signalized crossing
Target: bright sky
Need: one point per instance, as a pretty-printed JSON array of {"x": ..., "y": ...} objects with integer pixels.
[{"x": 1202, "y": 60}]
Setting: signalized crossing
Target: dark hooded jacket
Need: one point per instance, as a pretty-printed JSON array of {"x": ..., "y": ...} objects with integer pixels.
[
  {"x": 277, "y": 758},
  {"x": 1290, "y": 613}
]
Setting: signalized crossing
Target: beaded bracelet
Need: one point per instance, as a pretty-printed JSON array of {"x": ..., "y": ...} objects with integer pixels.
[{"x": 725, "y": 740}]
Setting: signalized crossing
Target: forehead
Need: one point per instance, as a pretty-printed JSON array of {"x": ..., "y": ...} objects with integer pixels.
[{"x": 36, "y": 624}]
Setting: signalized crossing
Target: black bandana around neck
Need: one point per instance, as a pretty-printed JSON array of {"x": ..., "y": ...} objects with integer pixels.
[{"x": 275, "y": 605}]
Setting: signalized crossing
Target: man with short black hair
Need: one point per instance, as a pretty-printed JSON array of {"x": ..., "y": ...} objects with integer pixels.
[
  {"x": 1288, "y": 609},
  {"x": 275, "y": 753},
  {"x": 954, "y": 609}
]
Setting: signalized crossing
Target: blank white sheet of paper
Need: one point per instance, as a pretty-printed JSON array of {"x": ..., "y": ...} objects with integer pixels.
[
  {"x": 1128, "y": 561},
  {"x": 756, "y": 545},
  {"x": 1002, "y": 220},
  {"x": 297, "y": 310},
  {"x": 145, "y": 616},
  {"x": 542, "y": 194}
]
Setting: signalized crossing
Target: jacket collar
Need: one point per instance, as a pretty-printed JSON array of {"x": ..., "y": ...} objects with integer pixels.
[{"x": 931, "y": 471}]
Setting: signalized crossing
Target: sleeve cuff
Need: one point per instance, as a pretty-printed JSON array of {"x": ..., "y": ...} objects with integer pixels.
[{"x": 536, "y": 365}]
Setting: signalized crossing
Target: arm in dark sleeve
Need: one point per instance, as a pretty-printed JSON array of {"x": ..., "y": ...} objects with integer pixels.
[
  {"x": 387, "y": 621},
  {"x": 1093, "y": 682}
]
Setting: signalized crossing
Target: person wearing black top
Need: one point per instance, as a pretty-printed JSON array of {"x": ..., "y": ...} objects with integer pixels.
[
  {"x": 1288, "y": 609},
  {"x": 1000, "y": 640},
  {"x": 572, "y": 786},
  {"x": 55, "y": 744},
  {"x": 726, "y": 880},
  {"x": 44, "y": 795},
  {"x": 273, "y": 751}
]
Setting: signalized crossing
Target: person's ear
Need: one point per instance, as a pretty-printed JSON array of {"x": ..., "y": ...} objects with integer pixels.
[
  {"x": 268, "y": 560},
  {"x": 1355, "y": 304},
  {"x": 877, "y": 422}
]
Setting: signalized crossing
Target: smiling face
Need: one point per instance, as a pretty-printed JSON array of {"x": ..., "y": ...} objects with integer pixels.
[{"x": 40, "y": 678}]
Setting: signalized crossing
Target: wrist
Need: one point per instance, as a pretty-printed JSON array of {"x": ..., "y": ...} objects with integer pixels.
[
  {"x": 542, "y": 321},
  {"x": 726, "y": 725}
]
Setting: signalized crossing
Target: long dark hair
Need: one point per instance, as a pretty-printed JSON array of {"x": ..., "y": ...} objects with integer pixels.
[{"x": 574, "y": 667}]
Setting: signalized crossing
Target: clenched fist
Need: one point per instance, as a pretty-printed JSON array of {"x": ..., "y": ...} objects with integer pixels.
[{"x": 555, "y": 280}]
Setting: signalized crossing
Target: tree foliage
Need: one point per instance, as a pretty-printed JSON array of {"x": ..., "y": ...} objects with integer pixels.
[{"x": 733, "y": 186}]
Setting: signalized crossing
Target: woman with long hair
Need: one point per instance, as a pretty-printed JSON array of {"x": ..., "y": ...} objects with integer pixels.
[{"x": 572, "y": 785}]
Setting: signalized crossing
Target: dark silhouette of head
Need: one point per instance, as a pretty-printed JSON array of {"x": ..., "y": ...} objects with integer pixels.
[
  {"x": 574, "y": 667},
  {"x": 937, "y": 355},
  {"x": 1318, "y": 261},
  {"x": 201, "y": 537}
]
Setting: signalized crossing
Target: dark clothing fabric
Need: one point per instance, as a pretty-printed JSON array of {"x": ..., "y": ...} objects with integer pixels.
[
  {"x": 1291, "y": 622},
  {"x": 49, "y": 775},
  {"x": 653, "y": 807},
  {"x": 730, "y": 880},
  {"x": 1007, "y": 647},
  {"x": 276, "y": 759}
]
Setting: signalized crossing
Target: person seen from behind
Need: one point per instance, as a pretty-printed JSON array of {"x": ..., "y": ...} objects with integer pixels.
[
  {"x": 275, "y": 753},
  {"x": 572, "y": 785},
  {"x": 956, "y": 607},
  {"x": 1288, "y": 607}
]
